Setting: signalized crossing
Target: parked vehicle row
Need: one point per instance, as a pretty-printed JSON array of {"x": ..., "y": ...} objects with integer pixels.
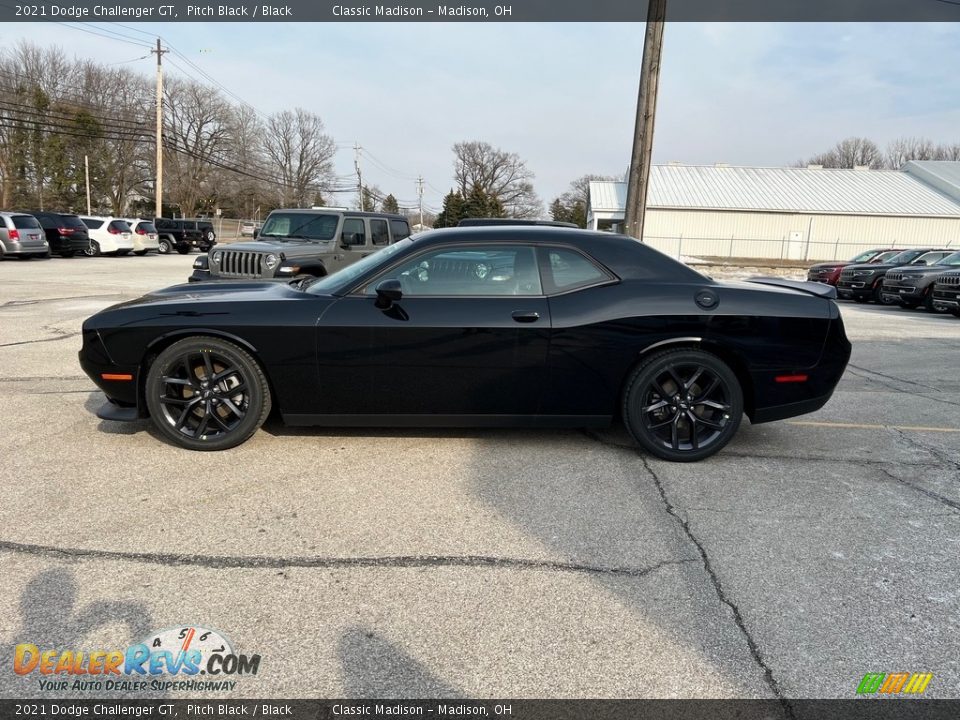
[
  {"x": 908, "y": 278},
  {"x": 36, "y": 233}
]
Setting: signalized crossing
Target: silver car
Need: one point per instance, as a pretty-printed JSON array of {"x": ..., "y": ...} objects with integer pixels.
[{"x": 22, "y": 236}]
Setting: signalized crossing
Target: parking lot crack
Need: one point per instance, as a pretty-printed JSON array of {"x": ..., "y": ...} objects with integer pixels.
[
  {"x": 62, "y": 336},
  {"x": 254, "y": 562},
  {"x": 939, "y": 454},
  {"x": 937, "y": 497},
  {"x": 874, "y": 377},
  {"x": 718, "y": 588}
]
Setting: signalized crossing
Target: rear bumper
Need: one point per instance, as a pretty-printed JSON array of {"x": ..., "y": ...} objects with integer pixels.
[
  {"x": 142, "y": 243},
  {"x": 14, "y": 247}
]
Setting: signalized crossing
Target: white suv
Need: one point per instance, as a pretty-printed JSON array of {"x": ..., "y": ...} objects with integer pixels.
[
  {"x": 108, "y": 236},
  {"x": 145, "y": 236}
]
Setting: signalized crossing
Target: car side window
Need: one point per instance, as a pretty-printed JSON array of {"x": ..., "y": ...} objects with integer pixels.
[
  {"x": 353, "y": 232},
  {"x": 489, "y": 271},
  {"x": 565, "y": 270},
  {"x": 379, "y": 232},
  {"x": 400, "y": 229}
]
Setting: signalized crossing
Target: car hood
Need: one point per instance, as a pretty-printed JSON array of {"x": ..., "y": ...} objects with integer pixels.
[
  {"x": 821, "y": 266},
  {"x": 872, "y": 266},
  {"x": 287, "y": 248},
  {"x": 926, "y": 269}
]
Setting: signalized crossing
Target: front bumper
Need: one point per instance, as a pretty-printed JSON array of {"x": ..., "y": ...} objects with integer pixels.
[
  {"x": 898, "y": 291},
  {"x": 946, "y": 299},
  {"x": 856, "y": 288}
]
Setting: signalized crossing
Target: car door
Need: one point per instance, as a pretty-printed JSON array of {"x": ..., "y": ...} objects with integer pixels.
[{"x": 469, "y": 337}]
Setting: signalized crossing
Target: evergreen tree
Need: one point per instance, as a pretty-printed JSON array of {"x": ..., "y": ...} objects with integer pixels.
[
  {"x": 390, "y": 204},
  {"x": 452, "y": 212}
]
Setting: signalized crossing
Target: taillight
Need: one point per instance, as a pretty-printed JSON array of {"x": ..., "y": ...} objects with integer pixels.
[
  {"x": 14, "y": 234},
  {"x": 112, "y": 230},
  {"x": 65, "y": 231},
  {"x": 141, "y": 231}
]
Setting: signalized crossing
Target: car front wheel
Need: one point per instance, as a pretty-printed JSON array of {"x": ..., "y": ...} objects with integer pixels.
[
  {"x": 92, "y": 250},
  {"x": 683, "y": 405},
  {"x": 204, "y": 393}
]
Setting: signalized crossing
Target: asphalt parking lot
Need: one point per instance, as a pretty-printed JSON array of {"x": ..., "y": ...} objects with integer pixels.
[{"x": 486, "y": 563}]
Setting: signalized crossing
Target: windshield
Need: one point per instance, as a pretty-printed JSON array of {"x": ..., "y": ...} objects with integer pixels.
[
  {"x": 951, "y": 259},
  {"x": 906, "y": 257},
  {"x": 300, "y": 225},
  {"x": 885, "y": 256},
  {"x": 864, "y": 257},
  {"x": 340, "y": 280}
]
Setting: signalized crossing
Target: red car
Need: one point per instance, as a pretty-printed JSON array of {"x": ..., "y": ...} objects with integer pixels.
[{"x": 829, "y": 272}]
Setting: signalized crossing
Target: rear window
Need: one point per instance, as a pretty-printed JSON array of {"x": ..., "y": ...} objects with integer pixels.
[
  {"x": 72, "y": 221},
  {"x": 47, "y": 221},
  {"x": 91, "y": 223},
  {"x": 146, "y": 227},
  {"x": 400, "y": 229},
  {"x": 26, "y": 222},
  {"x": 119, "y": 226}
]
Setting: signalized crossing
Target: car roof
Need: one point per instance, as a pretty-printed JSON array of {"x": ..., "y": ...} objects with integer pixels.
[
  {"x": 624, "y": 255},
  {"x": 481, "y": 221},
  {"x": 351, "y": 213}
]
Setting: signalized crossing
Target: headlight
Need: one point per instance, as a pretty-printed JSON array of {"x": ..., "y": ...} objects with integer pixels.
[
  {"x": 863, "y": 273},
  {"x": 271, "y": 261},
  {"x": 215, "y": 257}
]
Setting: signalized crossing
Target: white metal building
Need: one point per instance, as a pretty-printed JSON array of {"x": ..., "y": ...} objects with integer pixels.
[{"x": 791, "y": 213}]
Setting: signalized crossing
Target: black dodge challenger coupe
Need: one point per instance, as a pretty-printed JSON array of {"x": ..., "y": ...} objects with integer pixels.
[{"x": 486, "y": 326}]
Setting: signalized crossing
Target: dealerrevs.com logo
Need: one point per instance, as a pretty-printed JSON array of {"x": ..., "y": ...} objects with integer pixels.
[
  {"x": 187, "y": 658},
  {"x": 900, "y": 683}
]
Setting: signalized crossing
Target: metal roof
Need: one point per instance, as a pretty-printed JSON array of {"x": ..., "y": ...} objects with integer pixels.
[
  {"x": 853, "y": 192},
  {"x": 944, "y": 175}
]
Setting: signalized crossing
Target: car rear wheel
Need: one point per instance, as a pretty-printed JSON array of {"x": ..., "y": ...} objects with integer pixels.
[
  {"x": 93, "y": 249},
  {"x": 164, "y": 246},
  {"x": 683, "y": 405},
  {"x": 204, "y": 393}
]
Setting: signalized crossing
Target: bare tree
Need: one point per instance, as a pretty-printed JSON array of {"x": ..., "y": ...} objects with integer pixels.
[
  {"x": 196, "y": 135},
  {"x": 947, "y": 151},
  {"x": 296, "y": 144},
  {"x": 904, "y": 149},
  {"x": 499, "y": 174},
  {"x": 858, "y": 151}
]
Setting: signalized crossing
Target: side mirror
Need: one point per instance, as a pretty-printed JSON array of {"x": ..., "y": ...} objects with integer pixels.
[
  {"x": 388, "y": 292},
  {"x": 256, "y": 233},
  {"x": 920, "y": 262}
]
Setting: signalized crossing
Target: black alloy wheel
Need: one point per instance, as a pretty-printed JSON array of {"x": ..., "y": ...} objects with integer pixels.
[
  {"x": 204, "y": 393},
  {"x": 92, "y": 250},
  {"x": 683, "y": 405}
]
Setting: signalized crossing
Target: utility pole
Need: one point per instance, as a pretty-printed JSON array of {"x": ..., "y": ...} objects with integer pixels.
[
  {"x": 86, "y": 172},
  {"x": 638, "y": 181},
  {"x": 159, "y": 183},
  {"x": 356, "y": 165},
  {"x": 420, "y": 196}
]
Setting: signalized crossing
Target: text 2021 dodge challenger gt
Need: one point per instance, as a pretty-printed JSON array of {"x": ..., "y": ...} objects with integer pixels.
[{"x": 487, "y": 326}]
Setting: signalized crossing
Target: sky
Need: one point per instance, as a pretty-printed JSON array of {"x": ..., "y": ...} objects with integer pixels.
[{"x": 560, "y": 95}]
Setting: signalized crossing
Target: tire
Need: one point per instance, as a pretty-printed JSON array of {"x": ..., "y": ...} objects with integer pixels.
[
  {"x": 25, "y": 257},
  {"x": 93, "y": 249},
  {"x": 141, "y": 253},
  {"x": 163, "y": 246},
  {"x": 677, "y": 428},
  {"x": 955, "y": 313},
  {"x": 183, "y": 249},
  {"x": 877, "y": 296},
  {"x": 185, "y": 410}
]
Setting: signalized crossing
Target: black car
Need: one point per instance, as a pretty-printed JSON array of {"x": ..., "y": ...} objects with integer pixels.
[
  {"x": 864, "y": 282},
  {"x": 180, "y": 235},
  {"x": 511, "y": 326},
  {"x": 66, "y": 233},
  {"x": 912, "y": 286}
]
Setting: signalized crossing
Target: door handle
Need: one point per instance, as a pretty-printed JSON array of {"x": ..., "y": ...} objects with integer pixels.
[{"x": 523, "y": 316}]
